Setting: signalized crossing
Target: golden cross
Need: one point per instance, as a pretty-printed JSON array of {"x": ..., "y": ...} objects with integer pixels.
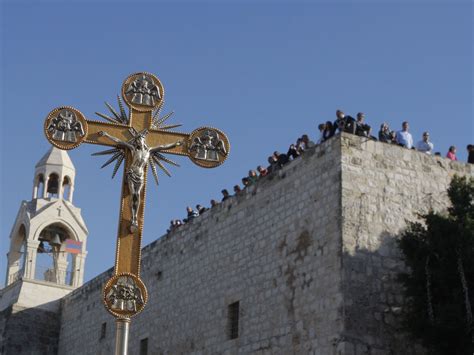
[{"x": 141, "y": 139}]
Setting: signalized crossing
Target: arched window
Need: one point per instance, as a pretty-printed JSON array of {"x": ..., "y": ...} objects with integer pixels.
[
  {"x": 52, "y": 258},
  {"x": 66, "y": 188},
  {"x": 39, "y": 186},
  {"x": 22, "y": 240},
  {"x": 53, "y": 185}
]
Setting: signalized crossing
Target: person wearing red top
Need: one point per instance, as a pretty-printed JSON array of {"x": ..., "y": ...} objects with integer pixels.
[
  {"x": 452, "y": 153},
  {"x": 262, "y": 171}
]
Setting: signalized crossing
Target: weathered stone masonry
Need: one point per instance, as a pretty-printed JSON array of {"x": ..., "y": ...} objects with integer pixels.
[
  {"x": 308, "y": 252},
  {"x": 383, "y": 187}
]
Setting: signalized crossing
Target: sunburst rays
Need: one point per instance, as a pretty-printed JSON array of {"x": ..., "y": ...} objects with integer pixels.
[
  {"x": 116, "y": 117},
  {"x": 117, "y": 155}
]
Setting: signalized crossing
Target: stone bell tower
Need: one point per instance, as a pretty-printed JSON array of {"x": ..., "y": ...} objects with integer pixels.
[
  {"x": 46, "y": 256},
  {"x": 49, "y": 224}
]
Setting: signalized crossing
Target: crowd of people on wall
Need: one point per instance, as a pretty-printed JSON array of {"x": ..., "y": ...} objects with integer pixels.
[{"x": 343, "y": 123}]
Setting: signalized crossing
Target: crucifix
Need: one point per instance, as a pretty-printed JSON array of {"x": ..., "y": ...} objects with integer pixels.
[{"x": 141, "y": 139}]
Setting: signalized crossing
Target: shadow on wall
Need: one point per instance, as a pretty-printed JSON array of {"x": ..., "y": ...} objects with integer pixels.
[
  {"x": 29, "y": 331},
  {"x": 374, "y": 304}
]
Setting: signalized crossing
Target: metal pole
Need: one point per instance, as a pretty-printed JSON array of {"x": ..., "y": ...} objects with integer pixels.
[{"x": 121, "y": 336}]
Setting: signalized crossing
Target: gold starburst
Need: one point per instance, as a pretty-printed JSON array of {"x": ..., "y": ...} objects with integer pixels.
[{"x": 118, "y": 154}]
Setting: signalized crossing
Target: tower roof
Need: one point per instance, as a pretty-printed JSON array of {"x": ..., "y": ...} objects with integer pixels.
[{"x": 56, "y": 156}]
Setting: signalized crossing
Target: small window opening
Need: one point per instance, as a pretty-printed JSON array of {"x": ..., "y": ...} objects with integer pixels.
[
  {"x": 103, "y": 331},
  {"x": 144, "y": 346},
  {"x": 233, "y": 311},
  {"x": 40, "y": 190},
  {"x": 66, "y": 188}
]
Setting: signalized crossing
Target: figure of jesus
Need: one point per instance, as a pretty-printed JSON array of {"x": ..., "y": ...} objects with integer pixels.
[{"x": 135, "y": 174}]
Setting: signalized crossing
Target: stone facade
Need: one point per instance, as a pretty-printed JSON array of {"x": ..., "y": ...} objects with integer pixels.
[
  {"x": 308, "y": 252},
  {"x": 383, "y": 187},
  {"x": 30, "y": 316},
  {"x": 276, "y": 249},
  {"x": 32, "y": 331}
]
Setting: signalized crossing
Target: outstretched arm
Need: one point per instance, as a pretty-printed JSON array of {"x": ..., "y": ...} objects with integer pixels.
[
  {"x": 166, "y": 146},
  {"x": 116, "y": 140}
]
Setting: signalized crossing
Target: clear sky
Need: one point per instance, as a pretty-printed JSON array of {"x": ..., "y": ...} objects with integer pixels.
[{"x": 264, "y": 73}]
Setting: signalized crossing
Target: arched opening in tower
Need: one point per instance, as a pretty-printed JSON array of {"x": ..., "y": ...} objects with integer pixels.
[
  {"x": 53, "y": 186},
  {"x": 54, "y": 263},
  {"x": 39, "y": 186},
  {"x": 67, "y": 188}
]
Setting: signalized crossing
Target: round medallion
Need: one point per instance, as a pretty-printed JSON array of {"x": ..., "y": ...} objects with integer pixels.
[
  {"x": 208, "y": 147},
  {"x": 125, "y": 295},
  {"x": 143, "y": 91},
  {"x": 65, "y": 127}
]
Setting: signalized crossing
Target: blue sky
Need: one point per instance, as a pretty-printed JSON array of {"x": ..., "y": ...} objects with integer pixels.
[{"x": 263, "y": 73}]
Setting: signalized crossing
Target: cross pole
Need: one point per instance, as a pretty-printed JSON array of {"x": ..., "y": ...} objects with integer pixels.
[{"x": 140, "y": 139}]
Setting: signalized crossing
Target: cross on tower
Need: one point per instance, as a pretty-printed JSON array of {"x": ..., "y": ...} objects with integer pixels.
[{"x": 140, "y": 139}]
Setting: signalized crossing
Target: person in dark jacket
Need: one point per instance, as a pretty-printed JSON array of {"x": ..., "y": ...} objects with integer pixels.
[
  {"x": 344, "y": 123},
  {"x": 200, "y": 209},
  {"x": 361, "y": 128},
  {"x": 470, "y": 153},
  {"x": 328, "y": 131},
  {"x": 384, "y": 134},
  {"x": 225, "y": 194},
  {"x": 273, "y": 164},
  {"x": 293, "y": 152},
  {"x": 282, "y": 159}
]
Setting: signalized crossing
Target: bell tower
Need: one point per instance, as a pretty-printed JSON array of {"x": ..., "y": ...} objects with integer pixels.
[
  {"x": 45, "y": 261},
  {"x": 48, "y": 238}
]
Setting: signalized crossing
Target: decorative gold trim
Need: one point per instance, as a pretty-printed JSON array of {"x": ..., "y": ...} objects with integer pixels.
[{"x": 122, "y": 200}]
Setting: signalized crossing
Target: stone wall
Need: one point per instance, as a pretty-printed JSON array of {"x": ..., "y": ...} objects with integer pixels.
[
  {"x": 29, "y": 317},
  {"x": 82, "y": 317},
  {"x": 309, "y": 252},
  {"x": 276, "y": 249},
  {"x": 383, "y": 187},
  {"x": 28, "y": 331}
]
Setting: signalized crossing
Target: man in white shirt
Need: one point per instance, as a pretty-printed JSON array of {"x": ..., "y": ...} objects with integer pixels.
[
  {"x": 404, "y": 137},
  {"x": 425, "y": 145}
]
